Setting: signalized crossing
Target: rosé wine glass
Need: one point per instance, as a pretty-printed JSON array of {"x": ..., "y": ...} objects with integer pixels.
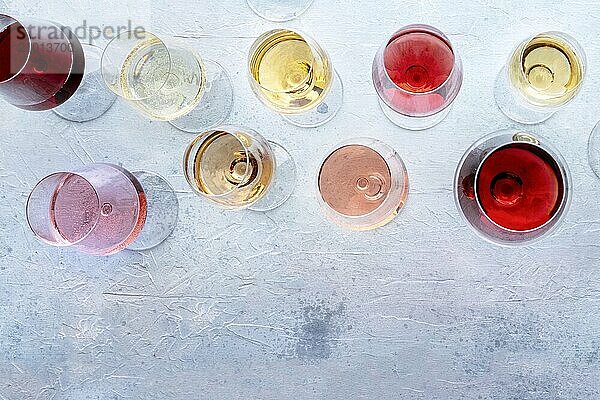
[
  {"x": 417, "y": 74},
  {"x": 101, "y": 209},
  {"x": 362, "y": 184}
]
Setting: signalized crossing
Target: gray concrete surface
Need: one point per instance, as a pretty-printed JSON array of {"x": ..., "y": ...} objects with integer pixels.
[{"x": 284, "y": 305}]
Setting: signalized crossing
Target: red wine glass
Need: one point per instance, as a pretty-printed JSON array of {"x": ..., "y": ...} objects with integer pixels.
[
  {"x": 101, "y": 209},
  {"x": 43, "y": 66},
  {"x": 417, "y": 74},
  {"x": 512, "y": 187}
]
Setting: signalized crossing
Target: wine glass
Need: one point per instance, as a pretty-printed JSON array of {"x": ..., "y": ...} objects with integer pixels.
[
  {"x": 417, "y": 74},
  {"x": 512, "y": 187},
  {"x": 165, "y": 80},
  {"x": 543, "y": 74},
  {"x": 238, "y": 168},
  {"x": 101, "y": 209},
  {"x": 594, "y": 149},
  {"x": 43, "y": 66},
  {"x": 291, "y": 74},
  {"x": 362, "y": 184},
  {"x": 279, "y": 10}
]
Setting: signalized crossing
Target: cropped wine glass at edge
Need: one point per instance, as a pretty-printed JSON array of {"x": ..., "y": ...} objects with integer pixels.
[
  {"x": 238, "y": 168},
  {"x": 543, "y": 74},
  {"x": 291, "y": 74},
  {"x": 594, "y": 150},
  {"x": 512, "y": 187},
  {"x": 417, "y": 74},
  {"x": 279, "y": 10},
  {"x": 43, "y": 66},
  {"x": 362, "y": 184},
  {"x": 166, "y": 80},
  {"x": 101, "y": 209}
]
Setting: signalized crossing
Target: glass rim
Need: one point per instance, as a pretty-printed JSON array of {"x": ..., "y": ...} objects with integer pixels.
[
  {"x": 66, "y": 243},
  {"x": 370, "y": 143},
  {"x": 428, "y": 29},
  {"x": 131, "y": 33},
  {"x": 595, "y": 131},
  {"x": 261, "y": 39},
  {"x": 568, "y": 39},
  {"x": 202, "y": 137},
  {"x": 14, "y": 20},
  {"x": 557, "y": 214}
]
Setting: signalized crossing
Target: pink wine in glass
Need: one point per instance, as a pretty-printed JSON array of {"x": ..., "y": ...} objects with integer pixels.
[
  {"x": 418, "y": 62},
  {"x": 519, "y": 186},
  {"x": 417, "y": 74},
  {"x": 99, "y": 208},
  {"x": 363, "y": 184},
  {"x": 41, "y": 63}
]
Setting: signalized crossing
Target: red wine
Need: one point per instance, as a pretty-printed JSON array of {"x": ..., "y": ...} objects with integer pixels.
[
  {"x": 417, "y": 62},
  {"x": 520, "y": 186},
  {"x": 42, "y": 70}
]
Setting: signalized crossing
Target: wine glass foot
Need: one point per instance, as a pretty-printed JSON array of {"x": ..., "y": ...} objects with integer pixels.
[
  {"x": 284, "y": 180},
  {"x": 92, "y": 99},
  {"x": 279, "y": 10},
  {"x": 594, "y": 150},
  {"x": 162, "y": 211},
  {"x": 325, "y": 111},
  {"x": 413, "y": 123},
  {"x": 515, "y": 108},
  {"x": 216, "y": 103}
]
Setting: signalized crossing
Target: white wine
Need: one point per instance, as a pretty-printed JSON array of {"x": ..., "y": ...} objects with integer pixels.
[
  {"x": 164, "y": 83},
  {"x": 289, "y": 73},
  {"x": 234, "y": 169},
  {"x": 547, "y": 70}
]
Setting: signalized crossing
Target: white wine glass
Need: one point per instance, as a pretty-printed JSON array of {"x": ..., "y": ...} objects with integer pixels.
[
  {"x": 291, "y": 74},
  {"x": 279, "y": 10},
  {"x": 238, "y": 168},
  {"x": 167, "y": 81},
  {"x": 543, "y": 74}
]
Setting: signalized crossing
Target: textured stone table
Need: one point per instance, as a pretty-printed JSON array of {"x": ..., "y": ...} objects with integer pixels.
[{"x": 243, "y": 305}]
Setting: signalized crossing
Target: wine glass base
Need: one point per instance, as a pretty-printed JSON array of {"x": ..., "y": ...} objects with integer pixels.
[
  {"x": 514, "y": 107},
  {"x": 413, "y": 123},
  {"x": 92, "y": 99},
  {"x": 162, "y": 211},
  {"x": 216, "y": 103},
  {"x": 284, "y": 180},
  {"x": 594, "y": 150},
  {"x": 279, "y": 10},
  {"x": 325, "y": 111}
]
